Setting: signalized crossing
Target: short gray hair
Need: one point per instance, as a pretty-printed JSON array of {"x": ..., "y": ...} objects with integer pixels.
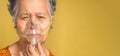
[{"x": 13, "y": 8}]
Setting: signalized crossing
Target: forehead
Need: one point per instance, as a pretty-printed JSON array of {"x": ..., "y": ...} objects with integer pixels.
[
  {"x": 32, "y": 2},
  {"x": 33, "y": 5}
]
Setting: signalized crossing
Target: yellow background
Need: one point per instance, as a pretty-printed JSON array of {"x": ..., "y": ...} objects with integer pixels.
[{"x": 80, "y": 28}]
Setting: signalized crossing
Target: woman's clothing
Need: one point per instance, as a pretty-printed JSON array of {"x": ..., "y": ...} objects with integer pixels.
[{"x": 6, "y": 52}]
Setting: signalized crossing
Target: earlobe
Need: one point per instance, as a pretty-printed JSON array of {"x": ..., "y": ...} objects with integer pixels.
[
  {"x": 52, "y": 17},
  {"x": 15, "y": 23}
]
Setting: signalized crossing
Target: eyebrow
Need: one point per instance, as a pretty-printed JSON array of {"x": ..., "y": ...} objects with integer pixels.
[
  {"x": 24, "y": 14},
  {"x": 40, "y": 13},
  {"x": 37, "y": 13}
]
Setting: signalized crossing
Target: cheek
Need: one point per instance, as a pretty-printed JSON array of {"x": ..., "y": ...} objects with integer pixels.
[
  {"x": 44, "y": 38},
  {"x": 21, "y": 26},
  {"x": 45, "y": 25}
]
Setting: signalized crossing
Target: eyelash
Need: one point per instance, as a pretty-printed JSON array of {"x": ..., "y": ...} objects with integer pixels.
[
  {"x": 40, "y": 16},
  {"x": 25, "y": 17}
]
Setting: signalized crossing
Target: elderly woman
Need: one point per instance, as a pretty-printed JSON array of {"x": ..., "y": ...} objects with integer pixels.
[{"x": 32, "y": 20}]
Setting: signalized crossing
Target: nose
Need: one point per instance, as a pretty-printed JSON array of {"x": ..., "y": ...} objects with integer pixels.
[{"x": 32, "y": 24}]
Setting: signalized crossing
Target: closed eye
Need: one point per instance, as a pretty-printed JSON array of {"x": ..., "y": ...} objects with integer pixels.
[
  {"x": 25, "y": 16},
  {"x": 40, "y": 16}
]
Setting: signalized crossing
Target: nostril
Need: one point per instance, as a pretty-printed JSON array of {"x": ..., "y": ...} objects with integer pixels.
[
  {"x": 32, "y": 27},
  {"x": 31, "y": 22}
]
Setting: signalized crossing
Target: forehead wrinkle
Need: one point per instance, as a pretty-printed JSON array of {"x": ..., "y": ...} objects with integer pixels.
[
  {"x": 34, "y": 2},
  {"x": 32, "y": 9},
  {"x": 25, "y": 13},
  {"x": 40, "y": 13}
]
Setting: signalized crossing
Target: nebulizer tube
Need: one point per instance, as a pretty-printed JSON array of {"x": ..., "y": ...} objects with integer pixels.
[
  {"x": 33, "y": 41},
  {"x": 33, "y": 33}
]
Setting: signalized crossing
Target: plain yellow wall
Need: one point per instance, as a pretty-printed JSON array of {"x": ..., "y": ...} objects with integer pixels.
[{"x": 80, "y": 28}]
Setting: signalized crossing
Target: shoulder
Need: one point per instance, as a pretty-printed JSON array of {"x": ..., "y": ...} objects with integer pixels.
[
  {"x": 4, "y": 52},
  {"x": 50, "y": 53}
]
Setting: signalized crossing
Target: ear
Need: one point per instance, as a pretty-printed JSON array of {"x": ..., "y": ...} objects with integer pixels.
[
  {"x": 51, "y": 26},
  {"x": 15, "y": 24},
  {"x": 52, "y": 17}
]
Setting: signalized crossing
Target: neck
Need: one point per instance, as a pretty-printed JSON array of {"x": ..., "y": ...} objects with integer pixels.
[
  {"x": 22, "y": 43},
  {"x": 21, "y": 46}
]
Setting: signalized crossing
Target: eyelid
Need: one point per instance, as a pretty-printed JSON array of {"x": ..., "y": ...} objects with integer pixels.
[
  {"x": 24, "y": 16},
  {"x": 39, "y": 16}
]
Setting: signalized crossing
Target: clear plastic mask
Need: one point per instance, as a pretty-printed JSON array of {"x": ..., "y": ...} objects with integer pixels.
[{"x": 34, "y": 33}]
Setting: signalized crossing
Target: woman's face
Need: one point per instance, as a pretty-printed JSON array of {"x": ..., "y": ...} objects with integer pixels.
[{"x": 33, "y": 18}]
